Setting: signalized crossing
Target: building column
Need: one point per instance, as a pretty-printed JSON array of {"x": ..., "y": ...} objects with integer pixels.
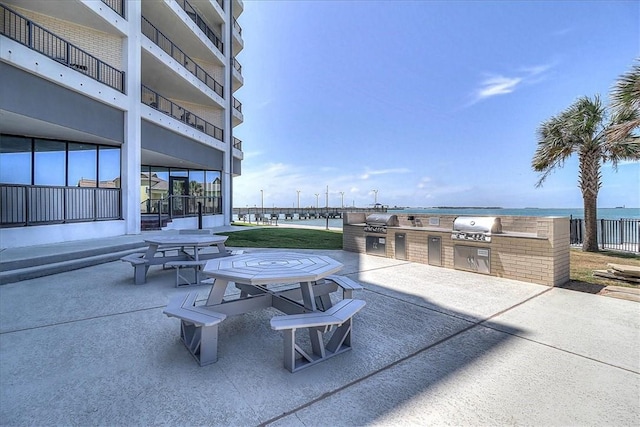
[
  {"x": 227, "y": 172},
  {"x": 131, "y": 157}
]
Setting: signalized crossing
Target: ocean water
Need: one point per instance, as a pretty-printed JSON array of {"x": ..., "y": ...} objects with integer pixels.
[{"x": 604, "y": 213}]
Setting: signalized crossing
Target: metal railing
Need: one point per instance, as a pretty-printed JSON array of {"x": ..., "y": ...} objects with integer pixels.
[
  {"x": 23, "y": 205},
  {"x": 208, "y": 32},
  {"x": 181, "y": 206},
  {"x": 32, "y": 35},
  {"x": 156, "y": 36},
  {"x": 160, "y": 103},
  {"x": 237, "y": 26},
  {"x": 615, "y": 234},
  {"x": 116, "y": 5},
  {"x": 237, "y": 143},
  {"x": 237, "y": 65},
  {"x": 237, "y": 104}
]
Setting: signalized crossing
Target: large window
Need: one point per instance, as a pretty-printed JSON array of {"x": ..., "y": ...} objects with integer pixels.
[
  {"x": 31, "y": 161},
  {"x": 83, "y": 165},
  {"x": 15, "y": 160},
  {"x": 108, "y": 167},
  {"x": 49, "y": 163}
]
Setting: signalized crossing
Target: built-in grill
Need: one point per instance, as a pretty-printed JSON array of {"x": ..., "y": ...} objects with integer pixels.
[
  {"x": 477, "y": 228},
  {"x": 382, "y": 220}
]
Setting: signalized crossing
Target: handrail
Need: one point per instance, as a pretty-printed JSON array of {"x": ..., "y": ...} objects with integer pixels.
[
  {"x": 156, "y": 36},
  {"x": 237, "y": 104},
  {"x": 237, "y": 143},
  {"x": 184, "y": 4},
  {"x": 32, "y": 35},
  {"x": 116, "y": 5},
  {"x": 179, "y": 205},
  {"x": 237, "y": 65},
  {"x": 237, "y": 26},
  {"x": 162, "y": 104}
]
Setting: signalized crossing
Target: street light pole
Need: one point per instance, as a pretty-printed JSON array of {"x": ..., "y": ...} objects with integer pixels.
[
  {"x": 317, "y": 203},
  {"x": 262, "y": 201},
  {"x": 342, "y": 201},
  {"x": 375, "y": 197},
  {"x": 298, "y": 191},
  {"x": 327, "y": 203}
]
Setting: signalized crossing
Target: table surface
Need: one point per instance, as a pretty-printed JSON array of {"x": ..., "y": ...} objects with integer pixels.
[
  {"x": 186, "y": 239},
  {"x": 263, "y": 268}
]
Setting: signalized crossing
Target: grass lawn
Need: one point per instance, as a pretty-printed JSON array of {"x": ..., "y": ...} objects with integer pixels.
[{"x": 582, "y": 263}]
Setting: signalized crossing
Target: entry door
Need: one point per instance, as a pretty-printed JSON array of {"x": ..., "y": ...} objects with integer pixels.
[{"x": 179, "y": 186}]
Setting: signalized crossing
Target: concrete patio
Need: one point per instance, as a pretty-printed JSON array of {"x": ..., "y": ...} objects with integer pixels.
[{"x": 433, "y": 346}]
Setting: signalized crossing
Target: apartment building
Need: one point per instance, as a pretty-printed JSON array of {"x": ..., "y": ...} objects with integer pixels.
[{"x": 115, "y": 114}]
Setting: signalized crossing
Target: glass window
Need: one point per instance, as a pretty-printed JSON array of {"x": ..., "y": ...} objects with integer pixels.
[
  {"x": 15, "y": 160},
  {"x": 212, "y": 183},
  {"x": 196, "y": 183},
  {"x": 109, "y": 167},
  {"x": 159, "y": 183},
  {"x": 83, "y": 165},
  {"x": 49, "y": 162}
]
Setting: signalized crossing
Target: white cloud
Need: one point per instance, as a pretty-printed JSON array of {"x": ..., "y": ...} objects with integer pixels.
[
  {"x": 369, "y": 174},
  {"x": 495, "y": 85}
]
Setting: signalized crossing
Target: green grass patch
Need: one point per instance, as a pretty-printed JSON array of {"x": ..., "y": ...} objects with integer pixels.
[{"x": 292, "y": 238}]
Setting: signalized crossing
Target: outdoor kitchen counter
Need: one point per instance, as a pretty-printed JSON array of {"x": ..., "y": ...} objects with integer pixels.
[
  {"x": 537, "y": 252},
  {"x": 433, "y": 229}
]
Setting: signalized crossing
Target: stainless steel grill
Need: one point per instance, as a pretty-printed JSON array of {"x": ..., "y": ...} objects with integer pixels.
[
  {"x": 382, "y": 219},
  {"x": 477, "y": 228}
]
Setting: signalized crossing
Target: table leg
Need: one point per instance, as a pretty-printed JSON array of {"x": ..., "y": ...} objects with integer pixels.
[
  {"x": 217, "y": 292},
  {"x": 151, "y": 252},
  {"x": 307, "y": 296}
]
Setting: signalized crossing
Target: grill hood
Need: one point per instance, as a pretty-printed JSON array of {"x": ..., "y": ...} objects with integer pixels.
[
  {"x": 477, "y": 224},
  {"x": 380, "y": 219}
]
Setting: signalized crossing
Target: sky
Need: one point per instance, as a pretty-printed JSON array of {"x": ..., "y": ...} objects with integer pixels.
[{"x": 423, "y": 103}]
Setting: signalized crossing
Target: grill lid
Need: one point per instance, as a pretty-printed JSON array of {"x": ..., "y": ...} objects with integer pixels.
[
  {"x": 477, "y": 224},
  {"x": 378, "y": 219}
]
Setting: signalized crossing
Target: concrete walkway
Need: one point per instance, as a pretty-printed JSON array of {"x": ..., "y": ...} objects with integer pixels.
[{"x": 433, "y": 346}]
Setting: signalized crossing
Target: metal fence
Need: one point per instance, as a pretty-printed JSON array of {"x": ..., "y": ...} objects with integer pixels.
[
  {"x": 156, "y": 36},
  {"x": 32, "y": 35},
  {"x": 22, "y": 205},
  {"x": 616, "y": 234},
  {"x": 116, "y": 5},
  {"x": 160, "y": 103}
]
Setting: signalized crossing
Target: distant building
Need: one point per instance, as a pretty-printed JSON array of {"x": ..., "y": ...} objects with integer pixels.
[{"x": 113, "y": 109}]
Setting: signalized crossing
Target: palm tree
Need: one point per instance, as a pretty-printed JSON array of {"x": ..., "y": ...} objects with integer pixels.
[
  {"x": 625, "y": 104},
  {"x": 582, "y": 129}
]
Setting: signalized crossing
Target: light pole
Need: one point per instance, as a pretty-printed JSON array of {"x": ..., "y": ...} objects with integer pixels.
[
  {"x": 327, "y": 203},
  {"x": 375, "y": 197},
  {"x": 298, "y": 191},
  {"x": 262, "y": 201},
  {"x": 342, "y": 201},
  {"x": 317, "y": 203}
]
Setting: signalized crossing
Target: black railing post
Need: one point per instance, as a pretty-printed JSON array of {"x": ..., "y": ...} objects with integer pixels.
[
  {"x": 160, "y": 214},
  {"x": 199, "y": 215}
]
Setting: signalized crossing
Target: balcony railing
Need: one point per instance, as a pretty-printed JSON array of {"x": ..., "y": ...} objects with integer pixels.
[
  {"x": 201, "y": 24},
  {"x": 160, "y": 103},
  {"x": 237, "y": 144},
  {"x": 22, "y": 205},
  {"x": 237, "y": 65},
  {"x": 156, "y": 36},
  {"x": 116, "y": 5},
  {"x": 237, "y": 26},
  {"x": 32, "y": 35},
  {"x": 180, "y": 206},
  {"x": 237, "y": 105}
]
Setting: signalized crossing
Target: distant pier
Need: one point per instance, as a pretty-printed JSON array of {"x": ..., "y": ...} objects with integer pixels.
[{"x": 259, "y": 214}]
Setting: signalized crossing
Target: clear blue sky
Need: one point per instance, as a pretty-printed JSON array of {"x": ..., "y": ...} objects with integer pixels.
[{"x": 431, "y": 103}]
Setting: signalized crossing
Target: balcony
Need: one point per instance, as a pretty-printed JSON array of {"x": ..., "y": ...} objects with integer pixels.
[
  {"x": 237, "y": 143},
  {"x": 176, "y": 53},
  {"x": 35, "y": 37},
  {"x": 201, "y": 23},
  {"x": 116, "y": 5},
  {"x": 164, "y": 105}
]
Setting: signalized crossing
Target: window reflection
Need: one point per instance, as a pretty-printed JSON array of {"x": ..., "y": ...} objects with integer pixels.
[
  {"x": 15, "y": 160},
  {"x": 49, "y": 162},
  {"x": 82, "y": 165},
  {"x": 109, "y": 167}
]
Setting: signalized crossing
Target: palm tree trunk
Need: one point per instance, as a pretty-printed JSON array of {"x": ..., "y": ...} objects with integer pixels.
[{"x": 590, "y": 184}]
